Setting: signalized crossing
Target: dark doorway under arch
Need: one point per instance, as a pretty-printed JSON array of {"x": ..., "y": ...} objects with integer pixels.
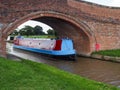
[{"x": 67, "y": 29}]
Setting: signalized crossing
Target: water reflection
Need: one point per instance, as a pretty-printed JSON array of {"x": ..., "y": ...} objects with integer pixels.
[{"x": 102, "y": 71}]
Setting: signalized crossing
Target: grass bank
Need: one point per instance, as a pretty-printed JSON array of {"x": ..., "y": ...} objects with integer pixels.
[
  {"x": 41, "y": 36},
  {"x": 28, "y": 75},
  {"x": 115, "y": 53}
]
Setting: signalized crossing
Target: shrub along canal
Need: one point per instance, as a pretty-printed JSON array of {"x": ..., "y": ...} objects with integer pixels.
[{"x": 103, "y": 71}]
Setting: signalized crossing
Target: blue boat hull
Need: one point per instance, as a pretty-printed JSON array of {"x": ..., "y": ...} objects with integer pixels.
[{"x": 49, "y": 52}]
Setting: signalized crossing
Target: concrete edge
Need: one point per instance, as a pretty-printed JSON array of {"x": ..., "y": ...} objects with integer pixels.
[{"x": 106, "y": 58}]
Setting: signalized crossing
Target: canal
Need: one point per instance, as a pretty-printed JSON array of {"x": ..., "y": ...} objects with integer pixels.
[{"x": 102, "y": 71}]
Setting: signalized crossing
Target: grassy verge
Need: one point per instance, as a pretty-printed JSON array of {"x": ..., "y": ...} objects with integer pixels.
[
  {"x": 28, "y": 75},
  {"x": 115, "y": 53}
]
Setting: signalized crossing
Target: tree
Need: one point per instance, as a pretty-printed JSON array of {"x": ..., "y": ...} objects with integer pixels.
[
  {"x": 38, "y": 30},
  {"x": 27, "y": 30},
  {"x": 22, "y": 31},
  {"x": 51, "y": 32},
  {"x": 15, "y": 32}
]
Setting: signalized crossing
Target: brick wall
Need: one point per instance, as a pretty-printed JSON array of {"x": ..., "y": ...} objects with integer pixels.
[{"x": 86, "y": 23}]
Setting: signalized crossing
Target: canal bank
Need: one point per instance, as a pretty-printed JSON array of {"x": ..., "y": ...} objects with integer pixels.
[
  {"x": 106, "y": 58},
  {"x": 95, "y": 69},
  {"x": 102, "y": 57},
  {"x": 30, "y": 75},
  {"x": 101, "y": 71},
  {"x": 108, "y": 55}
]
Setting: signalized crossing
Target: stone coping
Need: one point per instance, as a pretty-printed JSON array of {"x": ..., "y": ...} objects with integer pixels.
[{"x": 106, "y": 58}]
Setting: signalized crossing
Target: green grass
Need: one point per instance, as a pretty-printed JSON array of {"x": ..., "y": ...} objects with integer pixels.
[
  {"x": 115, "y": 53},
  {"x": 28, "y": 75}
]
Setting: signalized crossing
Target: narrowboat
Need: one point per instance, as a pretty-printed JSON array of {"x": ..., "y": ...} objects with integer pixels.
[{"x": 54, "y": 47}]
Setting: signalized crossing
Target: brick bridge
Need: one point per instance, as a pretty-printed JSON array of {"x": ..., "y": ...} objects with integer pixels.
[{"x": 86, "y": 23}]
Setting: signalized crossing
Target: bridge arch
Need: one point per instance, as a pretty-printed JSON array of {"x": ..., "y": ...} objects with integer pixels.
[{"x": 80, "y": 32}]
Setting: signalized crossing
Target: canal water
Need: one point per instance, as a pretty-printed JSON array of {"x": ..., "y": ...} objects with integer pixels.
[{"x": 102, "y": 71}]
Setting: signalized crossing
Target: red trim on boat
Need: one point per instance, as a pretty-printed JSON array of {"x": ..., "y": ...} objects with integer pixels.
[{"x": 58, "y": 45}]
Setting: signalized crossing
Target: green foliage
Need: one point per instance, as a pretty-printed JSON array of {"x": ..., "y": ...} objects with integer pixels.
[
  {"x": 115, "y": 53},
  {"x": 38, "y": 30},
  {"x": 15, "y": 33},
  {"x": 27, "y": 30},
  {"x": 51, "y": 32},
  {"x": 28, "y": 75}
]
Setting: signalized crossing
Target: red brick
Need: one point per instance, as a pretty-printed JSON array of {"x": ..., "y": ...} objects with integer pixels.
[{"x": 86, "y": 23}]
